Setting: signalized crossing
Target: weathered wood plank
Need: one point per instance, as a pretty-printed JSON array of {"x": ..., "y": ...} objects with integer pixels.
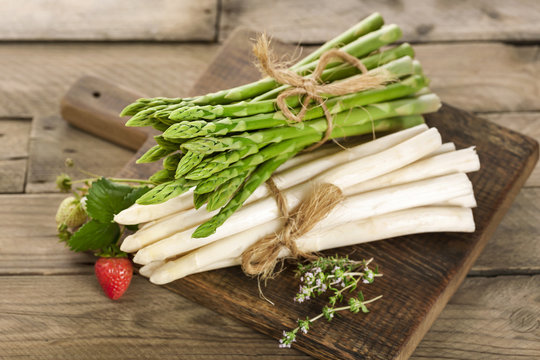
[
  {"x": 53, "y": 140},
  {"x": 488, "y": 318},
  {"x": 69, "y": 317},
  {"x": 36, "y": 76},
  {"x": 315, "y": 21},
  {"x": 28, "y": 239},
  {"x": 12, "y": 175},
  {"x": 14, "y": 138},
  {"x": 178, "y": 20},
  {"x": 14, "y": 135},
  {"x": 484, "y": 77},
  {"x": 526, "y": 123},
  {"x": 515, "y": 246}
]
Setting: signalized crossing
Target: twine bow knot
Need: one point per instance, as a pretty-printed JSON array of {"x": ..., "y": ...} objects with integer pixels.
[{"x": 311, "y": 87}]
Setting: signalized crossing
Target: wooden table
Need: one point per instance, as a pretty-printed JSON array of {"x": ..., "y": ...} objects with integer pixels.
[{"x": 481, "y": 56}]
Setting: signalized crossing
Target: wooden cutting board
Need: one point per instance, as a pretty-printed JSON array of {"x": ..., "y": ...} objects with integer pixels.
[{"x": 421, "y": 272}]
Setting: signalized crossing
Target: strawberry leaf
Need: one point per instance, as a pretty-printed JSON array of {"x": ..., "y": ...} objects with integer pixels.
[
  {"x": 106, "y": 198},
  {"x": 94, "y": 235}
]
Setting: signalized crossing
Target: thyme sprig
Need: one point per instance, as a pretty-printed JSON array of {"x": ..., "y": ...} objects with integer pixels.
[{"x": 337, "y": 275}]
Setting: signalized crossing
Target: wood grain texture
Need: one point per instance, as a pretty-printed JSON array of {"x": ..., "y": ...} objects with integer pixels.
[
  {"x": 526, "y": 123},
  {"x": 435, "y": 264},
  {"x": 177, "y": 20},
  {"x": 28, "y": 239},
  {"x": 52, "y": 140},
  {"x": 36, "y": 76},
  {"x": 69, "y": 317},
  {"x": 14, "y": 135},
  {"x": 487, "y": 318},
  {"x": 515, "y": 246},
  {"x": 475, "y": 82},
  {"x": 315, "y": 21},
  {"x": 93, "y": 105},
  {"x": 12, "y": 175}
]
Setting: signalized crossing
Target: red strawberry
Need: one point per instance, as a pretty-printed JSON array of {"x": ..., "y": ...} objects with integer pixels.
[{"x": 114, "y": 275}]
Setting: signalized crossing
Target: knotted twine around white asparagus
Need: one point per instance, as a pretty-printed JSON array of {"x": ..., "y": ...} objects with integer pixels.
[{"x": 261, "y": 258}]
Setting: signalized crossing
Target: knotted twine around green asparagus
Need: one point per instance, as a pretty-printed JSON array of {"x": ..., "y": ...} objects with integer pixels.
[
  {"x": 261, "y": 258},
  {"x": 311, "y": 88}
]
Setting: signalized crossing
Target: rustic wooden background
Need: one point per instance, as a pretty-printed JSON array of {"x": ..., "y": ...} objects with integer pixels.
[{"x": 482, "y": 55}]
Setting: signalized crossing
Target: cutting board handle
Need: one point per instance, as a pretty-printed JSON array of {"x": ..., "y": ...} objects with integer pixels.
[{"x": 93, "y": 105}]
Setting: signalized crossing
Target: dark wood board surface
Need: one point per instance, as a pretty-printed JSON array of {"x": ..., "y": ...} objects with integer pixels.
[{"x": 421, "y": 272}]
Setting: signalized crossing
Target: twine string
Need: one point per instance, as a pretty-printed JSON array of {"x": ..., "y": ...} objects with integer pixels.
[{"x": 261, "y": 257}]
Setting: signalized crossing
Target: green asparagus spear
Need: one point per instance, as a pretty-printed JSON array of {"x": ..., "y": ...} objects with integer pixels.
[
  {"x": 188, "y": 162},
  {"x": 398, "y": 68},
  {"x": 419, "y": 105},
  {"x": 335, "y": 105},
  {"x": 212, "y": 165},
  {"x": 345, "y": 70},
  {"x": 259, "y": 176},
  {"x": 171, "y": 161},
  {"x": 162, "y": 176},
  {"x": 265, "y": 170},
  {"x": 350, "y": 37},
  {"x": 360, "y": 47},
  {"x": 241, "y": 166},
  {"x": 224, "y": 193},
  {"x": 166, "y": 191},
  {"x": 369, "y": 24},
  {"x": 143, "y": 103},
  {"x": 154, "y": 154},
  {"x": 200, "y": 199}
]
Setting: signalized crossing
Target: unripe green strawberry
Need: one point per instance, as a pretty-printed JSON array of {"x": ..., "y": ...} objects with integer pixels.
[{"x": 70, "y": 212}]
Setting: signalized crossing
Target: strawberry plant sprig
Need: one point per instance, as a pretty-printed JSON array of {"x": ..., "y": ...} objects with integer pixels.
[
  {"x": 85, "y": 222},
  {"x": 335, "y": 274}
]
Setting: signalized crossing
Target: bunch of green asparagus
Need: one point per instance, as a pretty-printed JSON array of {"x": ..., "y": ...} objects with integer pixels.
[{"x": 228, "y": 143}]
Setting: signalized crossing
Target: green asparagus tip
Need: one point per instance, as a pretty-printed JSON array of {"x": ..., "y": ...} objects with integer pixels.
[
  {"x": 131, "y": 109},
  {"x": 204, "y": 230}
]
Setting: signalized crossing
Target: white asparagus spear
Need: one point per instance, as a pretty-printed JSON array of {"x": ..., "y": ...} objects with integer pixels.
[
  {"x": 138, "y": 214},
  {"x": 171, "y": 223},
  {"x": 464, "y": 160},
  {"x": 289, "y": 176},
  {"x": 160, "y": 229},
  {"x": 353, "y": 208},
  {"x": 467, "y": 201},
  {"x": 342, "y": 176},
  {"x": 148, "y": 269},
  {"x": 227, "y": 252}
]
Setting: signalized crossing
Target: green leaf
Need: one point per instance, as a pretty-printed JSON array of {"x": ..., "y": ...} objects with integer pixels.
[
  {"x": 106, "y": 198},
  {"x": 94, "y": 235}
]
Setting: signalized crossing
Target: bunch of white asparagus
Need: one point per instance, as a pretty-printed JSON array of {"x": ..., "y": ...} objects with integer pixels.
[{"x": 404, "y": 183}]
